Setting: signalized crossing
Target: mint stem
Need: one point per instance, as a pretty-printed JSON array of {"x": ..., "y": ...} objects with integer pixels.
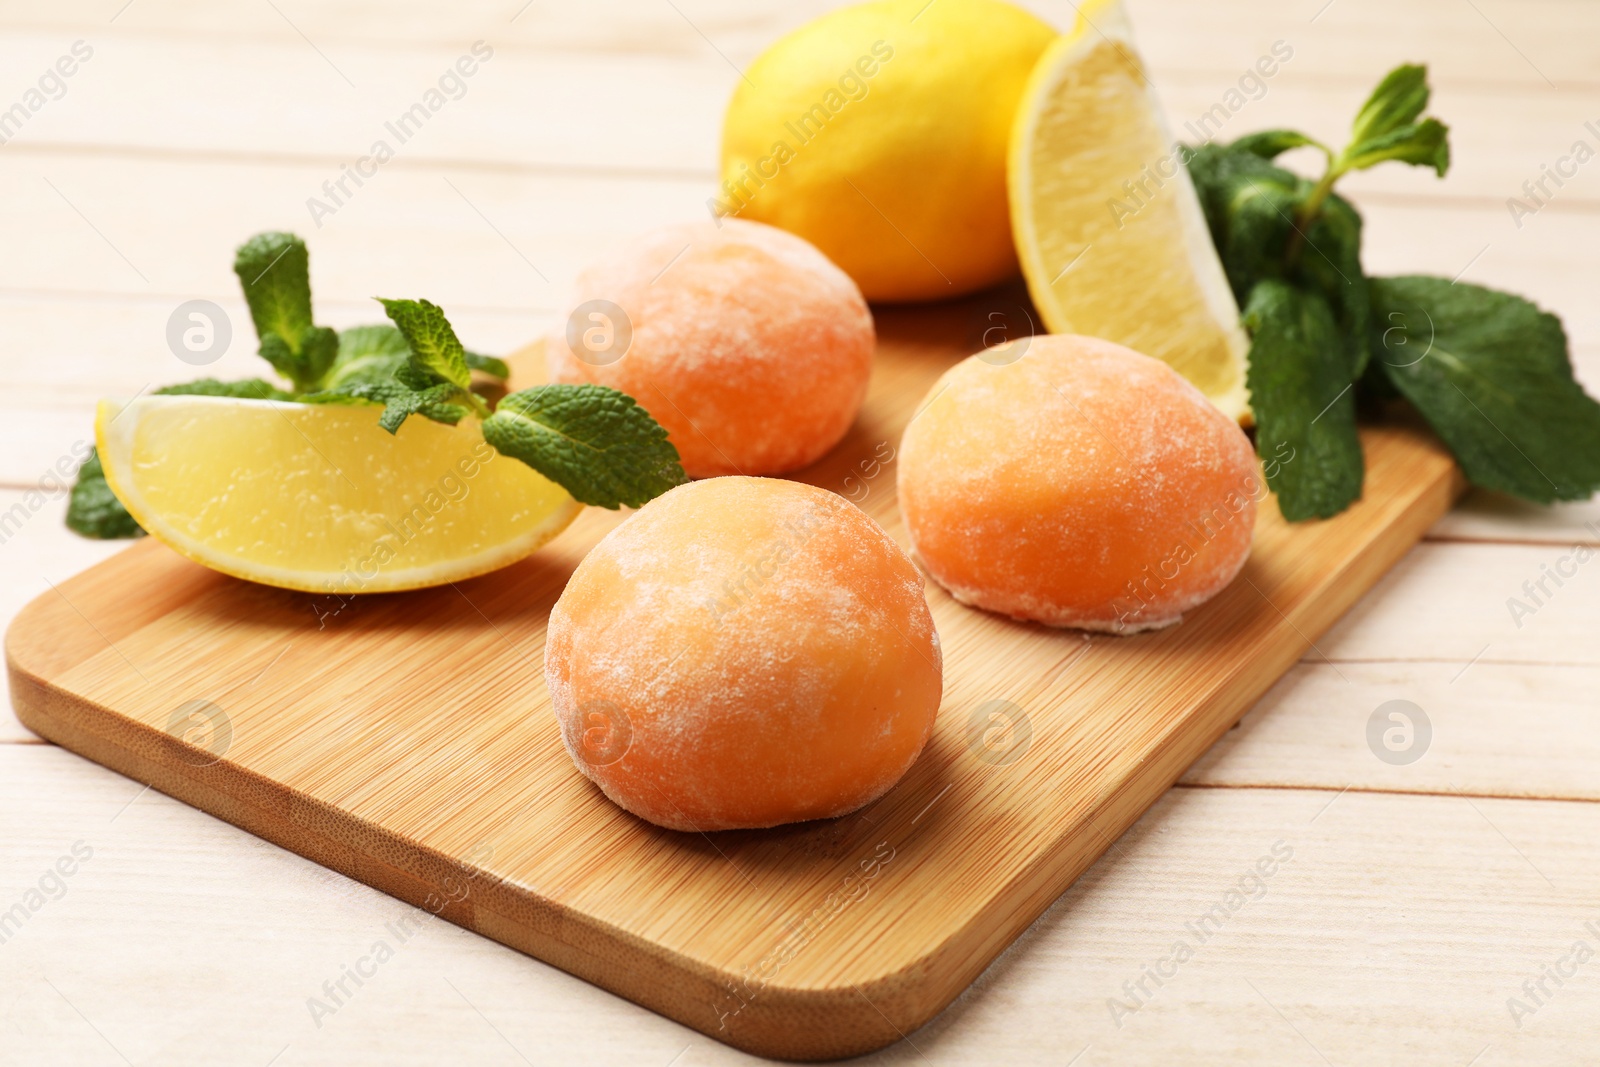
[{"x": 1305, "y": 216}]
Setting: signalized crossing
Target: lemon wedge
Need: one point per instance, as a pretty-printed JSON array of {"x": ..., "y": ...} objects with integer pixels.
[
  {"x": 1108, "y": 228},
  {"x": 321, "y": 499}
]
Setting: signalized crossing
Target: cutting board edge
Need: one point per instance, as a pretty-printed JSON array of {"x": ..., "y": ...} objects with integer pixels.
[{"x": 823, "y": 1022}]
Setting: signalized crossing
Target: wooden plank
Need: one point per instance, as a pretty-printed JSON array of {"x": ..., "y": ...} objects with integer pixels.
[
  {"x": 1497, "y": 729},
  {"x": 1544, "y": 261},
  {"x": 1494, "y": 41},
  {"x": 662, "y": 115},
  {"x": 312, "y": 763},
  {"x": 1483, "y": 516},
  {"x": 118, "y": 346},
  {"x": 501, "y": 300},
  {"x": 1473, "y": 585},
  {"x": 512, "y": 232},
  {"x": 1400, "y": 922},
  {"x": 43, "y": 446},
  {"x": 658, "y": 115},
  {"x": 1540, "y": 261},
  {"x": 1500, "y": 137},
  {"x": 604, "y": 26},
  {"x": 496, "y": 240}
]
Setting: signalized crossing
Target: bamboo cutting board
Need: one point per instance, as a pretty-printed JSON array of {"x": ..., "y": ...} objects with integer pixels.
[{"x": 407, "y": 740}]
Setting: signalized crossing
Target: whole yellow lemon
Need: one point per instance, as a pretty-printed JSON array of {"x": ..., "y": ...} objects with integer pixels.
[{"x": 879, "y": 134}]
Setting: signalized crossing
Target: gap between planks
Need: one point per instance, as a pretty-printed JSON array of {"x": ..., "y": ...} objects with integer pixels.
[
  {"x": 1465, "y": 794},
  {"x": 1525, "y": 542},
  {"x": 332, "y": 159}
]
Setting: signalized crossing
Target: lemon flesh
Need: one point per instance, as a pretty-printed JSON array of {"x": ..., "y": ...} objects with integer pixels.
[
  {"x": 878, "y": 133},
  {"x": 320, "y": 498},
  {"x": 1108, "y": 228}
]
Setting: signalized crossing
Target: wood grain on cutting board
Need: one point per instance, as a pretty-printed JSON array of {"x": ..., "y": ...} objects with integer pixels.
[{"x": 407, "y": 741}]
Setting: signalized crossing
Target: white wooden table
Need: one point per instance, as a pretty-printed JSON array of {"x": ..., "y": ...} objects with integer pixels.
[{"x": 1418, "y": 900}]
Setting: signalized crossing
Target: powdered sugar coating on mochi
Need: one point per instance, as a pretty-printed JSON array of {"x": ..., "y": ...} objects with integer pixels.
[
  {"x": 769, "y": 645},
  {"x": 748, "y": 345},
  {"x": 1082, "y": 485}
]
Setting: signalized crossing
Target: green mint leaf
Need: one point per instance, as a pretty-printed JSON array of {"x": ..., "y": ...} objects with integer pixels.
[
  {"x": 1251, "y": 206},
  {"x": 276, "y": 351},
  {"x": 275, "y": 270},
  {"x": 1331, "y": 263},
  {"x": 319, "y": 347},
  {"x": 367, "y": 353},
  {"x": 1270, "y": 144},
  {"x": 1426, "y": 144},
  {"x": 596, "y": 442},
  {"x": 418, "y": 380},
  {"x": 305, "y": 365},
  {"x": 434, "y": 347},
  {"x": 493, "y": 366},
  {"x": 377, "y": 365},
  {"x": 431, "y": 403},
  {"x": 1387, "y": 128},
  {"x": 1301, "y": 390},
  {"x": 400, "y": 399},
  {"x": 248, "y": 389},
  {"x": 1491, "y": 374},
  {"x": 375, "y": 339},
  {"x": 93, "y": 510},
  {"x": 1397, "y": 101},
  {"x": 412, "y": 376}
]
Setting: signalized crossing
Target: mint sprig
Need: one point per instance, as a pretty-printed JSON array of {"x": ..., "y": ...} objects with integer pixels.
[
  {"x": 1491, "y": 374},
  {"x": 434, "y": 348},
  {"x": 247, "y": 389},
  {"x": 400, "y": 399},
  {"x": 595, "y": 442},
  {"x": 1299, "y": 384},
  {"x": 420, "y": 369},
  {"x": 367, "y": 353},
  {"x": 1489, "y": 371},
  {"x": 1250, "y": 205},
  {"x": 492, "y": 366},
  {"x": 1385, "y": 129},
  {"x": 275, "y": 271}
]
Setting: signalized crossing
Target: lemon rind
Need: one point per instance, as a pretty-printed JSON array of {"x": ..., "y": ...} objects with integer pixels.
[{"x": 1097, "y": 20}]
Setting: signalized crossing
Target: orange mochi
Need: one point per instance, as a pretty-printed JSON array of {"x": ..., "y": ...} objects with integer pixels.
[
  {"x": 1074, "y": 482},
  {"x": 746, "y": 343},
  {"x": 744, "y": 652}
]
